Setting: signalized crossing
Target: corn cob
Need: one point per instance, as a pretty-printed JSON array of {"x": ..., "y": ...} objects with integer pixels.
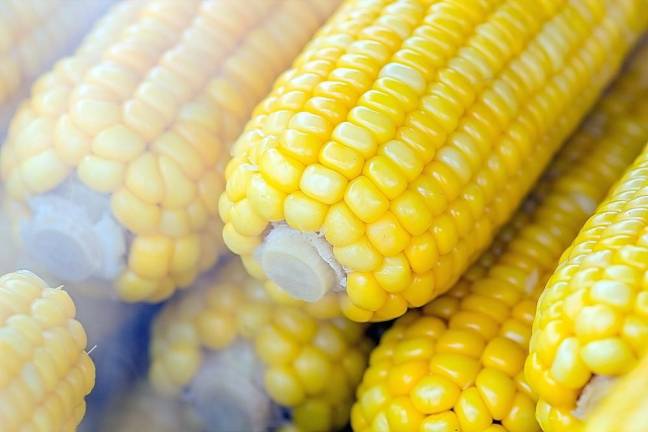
[
  {"x": 116, "y": 158},
  {"x": 238, "y": 357},
  {"x": 591, "y": 324},
  {"x": 33, "y": 33},
  {"x": 456, "y": 365},
  {"x": 44, "y": 371},
  {"x": 624, "y": 408},
  {"x": 405, "y": 134}
]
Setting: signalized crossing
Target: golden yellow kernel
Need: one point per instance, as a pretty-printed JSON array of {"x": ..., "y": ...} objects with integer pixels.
[
  {"x": 365, "y": 200},
  {"x": 304, "y": 213},
  {"x": 134, "y": 214},
  {"x": 323, "y": 184},
  {"x": 118, "y": 143},
  {"x": 150, "y": 257}
]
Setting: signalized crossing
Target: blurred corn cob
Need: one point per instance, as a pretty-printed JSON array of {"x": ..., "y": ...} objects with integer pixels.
[
  {"x": 405, "y": 134},
  {"x": 241, "y": 361},
  {"x": 625, "y": 408},
  {"x": 592, "y": 319},
  {"x": 33, "y": 34},
  {"x": 115, "y": 161},
  {"x": 458, "y": 363},
  {"x": 45, "y": 372}
]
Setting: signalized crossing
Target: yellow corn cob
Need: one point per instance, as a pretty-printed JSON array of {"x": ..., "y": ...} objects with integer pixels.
[
  {"x": 33, "y": 33},
  {"x": 238, "y": 356},
  {"x": 457, "y": 365},
  {"x": 626, "y": 406},
  {"x": 405, "y": 134},
  {"x": 45, "y": 372},
  {"x": 592, "y": 320},
  {"x": 116, "y": 159}
]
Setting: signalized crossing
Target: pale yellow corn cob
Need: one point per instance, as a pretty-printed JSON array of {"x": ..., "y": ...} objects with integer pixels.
[
  {"x": 238, "y": 356},
  {"x": 115, "y": 161},
  {"x": 45, "y": 372},
  {"x": 405, "y": 135},
  {"x": 457, "y": 365}
]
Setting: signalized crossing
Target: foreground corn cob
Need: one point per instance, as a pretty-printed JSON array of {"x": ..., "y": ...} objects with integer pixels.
[
  {"x": 625, "y": 408},
  {"x": 33, "y": 33},
  {"x": 115, "y": 160},
  {"x": 45, "y": 372},
  {"x": 405, "y": 134},
  {"x": 592, "y": 319},
  {"x": 239, "y": 357},
  {"x": 457, "y": 364}
]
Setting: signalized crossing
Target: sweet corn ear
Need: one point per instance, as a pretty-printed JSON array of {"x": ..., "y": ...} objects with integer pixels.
[
  {"x": 457, "y": 364},
  {"x": 406, "y": 134},
  {"x": 239, "y": 358},
  {"x": 624, "y": 408},
  {"x": 33, "y": 34},
  {"x": 591, "y": 323},
  {"x": 117, "y": 156},
  {"x": 45, "y": 372}
]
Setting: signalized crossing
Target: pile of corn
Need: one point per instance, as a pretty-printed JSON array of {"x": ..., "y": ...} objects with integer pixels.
[{"x": 475, "y": 170}]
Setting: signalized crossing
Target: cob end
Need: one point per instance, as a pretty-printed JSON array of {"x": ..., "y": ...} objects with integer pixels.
[
  {"x": 226, "y": 393},
  {"x": 300, "y": 263},
  {"x": 72, "y": 234}
]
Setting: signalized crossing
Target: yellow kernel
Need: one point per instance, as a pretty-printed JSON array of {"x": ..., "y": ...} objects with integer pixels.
[
  {"x": 296, "y": 323},
  {"x": 635, "y": 332},
  {"x": 283, "y": 386},
  {"x": 442, "y": 422},
  {"x": 385, "y": 175},
  {"x": 100, "y": 174},
  {"x": 432, "y": 193},
  {"x": 521, "y": 415},
  {"x": 70, "y": 143},
  {"x": 179, "y": 191},
  {"x": 380, "y": 125},
  {"x": 497, "y": 390},
  {"x": 142, "y": 118},
  {"x": 118, "y": 143},
  {"x": 460, "y": 341},
  {"x": 93, "y": 116},
  {"x": 434, "y": 394},
  {"x": 358, "y": 256},
  {"x": 422, "y": 253},
  {"x": 365, "y": 200},
  {"x": 355, "y": 137},
  {"x": 404, "y": 376},
  {"x": 404, "y": 158},
  {"x": 174, "y": 223},
  {"x": 568, "y": 368},
  {"x": 302, "y": 146},
  {"x": 137, "y": 216},
  {"x": 245, "y": 219},
  {"x": 504, "y": 355},
  {"x": 304, "y": 213},
  {"x": 411, "y": 211},
  {"x": 460, "y": 369},
  {"x": 216, "y": 330},
  {"x": 372, "y": 400},
  {"x": 43, "y": 172},
  {"x": 611, "y": 356},
  {"x": 471, "y": 411},
  {"x": 342, "y": 159},
  {"x": 312, "y": 368},
  {"x": 281, "y": 171},
  {"x": 238, "y": 181},
  {"x": 150, "y": 257},
  {"x": 275, "y": 347},
  {"x": 237, "y": 243},
  {"x": 323, "y": 184},
  {"x": 402, "y": 416},
  {"x": 132, "y": 287},
  {"x": 313, "y": 415},
  {"x": 353, "y": 312},
  {"x": 266, "y": 200},
  {"x": 143, "y": 179},
  {"x": 421, "y": 290},
  {"x": 596, "y": 322},
  {"x": 445, "y": 234},
  {"x": 387, "y": 235},
  {"x": 394, "y": 275},
  {"x": 413, "y": 348},
  {"x": 364, "y": 291},
  {"x": 406, "y": 75},
  {"x": 341, "y": 227},
  {"x": 186, "y": 253},
  {"x": 176, "y": 148},
  {"x": 394, "y": 306},
  {"x": 613, "y": 293}
]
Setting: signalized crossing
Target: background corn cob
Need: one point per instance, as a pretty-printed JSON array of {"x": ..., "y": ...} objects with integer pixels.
[
  {"x": 591, "y": 321},
  {"x": 238, "y": 357},
  {"x": 457, "y": 364},
  {"x": 116, "y": 157},
  {"x": 44, "y": 371},
  {"x": 624, "y": 408},
  {"x": 405, "y": 134},
  {"x": 33, "y": 34}
]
